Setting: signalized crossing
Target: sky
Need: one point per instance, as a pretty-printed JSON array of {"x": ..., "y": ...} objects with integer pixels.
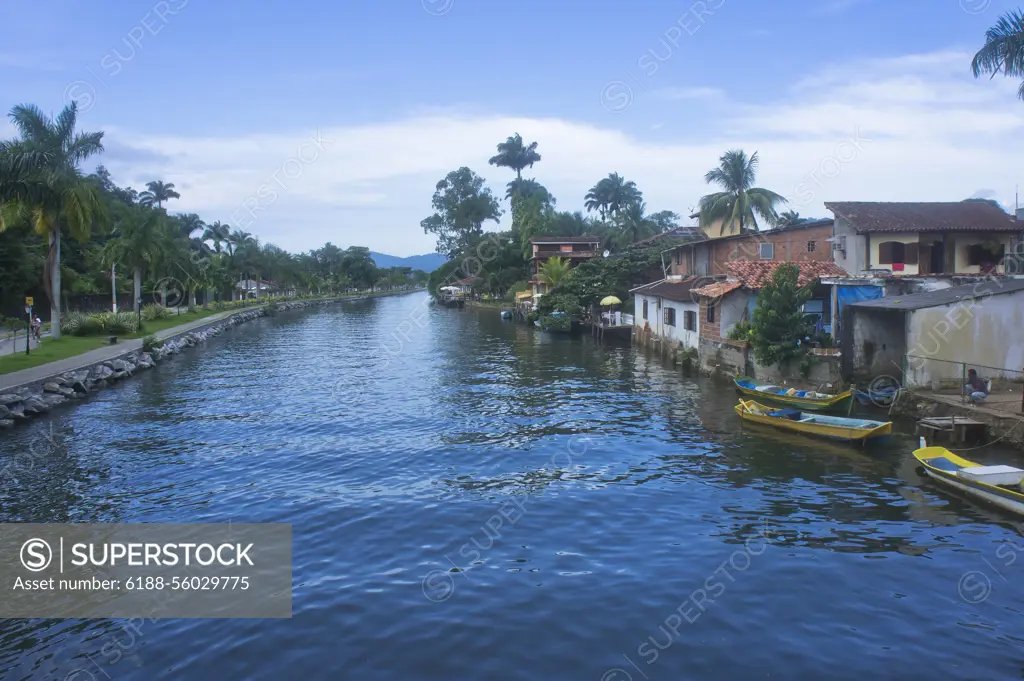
[{"x": 307, "y": 121}]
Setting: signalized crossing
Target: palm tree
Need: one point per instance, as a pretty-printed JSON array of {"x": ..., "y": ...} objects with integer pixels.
[
  {"x": 159, "y": 192},
  {"x": 239, "y": 240},
  {"x": 788, "y": 219},
  {"x": 553, "y": 271},
  {"x": 188, "y": 223},
  {"x": 218, "y": 234},
  {"x": 598, "y": 198},
  {"x": 527, "y": 188},
  {"x": 636, "y": 224},
  {"x": 612, "y": 195},
  {"x": 740, "y": 200},
  {"x": 1004, "y": 49},
  {"x": 40, "y": 180},
  {"x": 139, "y": 240},
  {"x": 513, "y": 154}
]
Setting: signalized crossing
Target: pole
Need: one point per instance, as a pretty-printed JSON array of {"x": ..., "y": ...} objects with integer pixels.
[
  {"x": 113, "y": 286},
  {"x": 28, "y": 324},
  {"x": 963, "y": 382}
]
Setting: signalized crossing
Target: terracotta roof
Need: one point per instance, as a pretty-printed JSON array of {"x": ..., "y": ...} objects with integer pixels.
[
  {"x": 754, "y": 273},
  {"x": 936, "y": 216},
  {"x": 717, "y": 289},
  {"x": 585, "y": 239}
]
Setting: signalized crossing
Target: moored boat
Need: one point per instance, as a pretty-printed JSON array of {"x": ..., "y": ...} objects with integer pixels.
[
  {"x": 833, "y": 427},
  {"x": 791, "y": 397},
  {"x": 997, "y": 485},
  {"x": 880, "y": 397}
]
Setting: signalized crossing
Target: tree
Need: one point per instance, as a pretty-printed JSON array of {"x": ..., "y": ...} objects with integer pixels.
[
  {"x": 531, "y": 216},
  {"x": 740, "y": 200},
  {"x": 554, "y": 271},
  {"x": 635, "y": 225},
  {"x": 462, "y": 204},
  {"x": 159, "y": 192},
  {"x": 612, "y": 195},
  {"x": 779, "y": 322},
  {"x": 139, "y": 240},
  {"x": 40, "y": 180},
  {"x": 512, "y": 153},
  {"x": 788, "y": 219},
  {"x": 218, "y": 235},
  {"x": 358, "y": 266},
  {"x": 531, "y": 187},
  {"x": 1004, "y": 49}
]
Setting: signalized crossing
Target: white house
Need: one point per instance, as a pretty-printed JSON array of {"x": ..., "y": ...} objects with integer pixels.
[{"x": 667, "y": 310}]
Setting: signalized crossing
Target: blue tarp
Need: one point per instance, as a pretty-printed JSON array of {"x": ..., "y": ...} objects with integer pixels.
[{"x": 855, "y": 294}]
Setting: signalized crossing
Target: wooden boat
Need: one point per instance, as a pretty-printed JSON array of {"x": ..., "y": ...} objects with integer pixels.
[
  {"x": 997, "y": 485},
  {"x": 834, "y": 427},
  {"x": 880, "y": 397},
  {"x": 804, "y": 399}
]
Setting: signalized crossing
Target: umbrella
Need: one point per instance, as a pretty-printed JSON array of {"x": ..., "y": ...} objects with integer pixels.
[{"x": 610, "y": 300}]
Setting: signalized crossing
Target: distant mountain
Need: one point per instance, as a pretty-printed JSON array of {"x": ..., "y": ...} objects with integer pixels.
[{"x": 428, "y": 262}]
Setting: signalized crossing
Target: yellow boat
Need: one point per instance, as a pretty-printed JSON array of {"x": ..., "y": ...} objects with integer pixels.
[
  {"x": 803, "y": 399},
  {"x": 834, "y": 427},
  {"x": 998, "y": 485}
]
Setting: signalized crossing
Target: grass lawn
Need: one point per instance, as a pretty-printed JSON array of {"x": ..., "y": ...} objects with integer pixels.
[{"x": 69, "y": 346}]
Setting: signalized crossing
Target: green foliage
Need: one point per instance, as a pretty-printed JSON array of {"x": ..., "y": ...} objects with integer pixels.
[
  {"x": 1003, "y": 51},
  {"x": 82, "y": 324},
  {"x": 521, "y": 285},
  {"x": 153, "y": 311},
  {"x": 554, "y": 271},
  {"x": 743, "y": 331},
  {"x": 594, "y": 279},
  {"x": 149, "y": 343},
  {"x": 561, "y": 323},
  {"x": 806, "y": 364},
  {"x": 779, "y": 322},
  {"x": 462, "y": 204},
  {"x": 739, "y": 199},
  {"x": 512, "y": 153}
]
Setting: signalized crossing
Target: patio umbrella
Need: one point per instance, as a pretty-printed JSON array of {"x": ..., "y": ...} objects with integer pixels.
[{"x": 610, "y": 300}]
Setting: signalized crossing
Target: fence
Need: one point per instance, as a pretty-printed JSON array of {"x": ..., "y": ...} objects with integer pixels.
[{"x": 1005, "y": 385}]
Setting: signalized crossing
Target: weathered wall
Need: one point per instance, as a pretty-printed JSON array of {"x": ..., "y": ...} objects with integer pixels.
[
  {"x": 722, "y": 356},
  {"x": 879, "y": 343},
  {"x": 853, "y": 258},
  {"x": 963, "y": 242},
  {"x": 901, "y": 237},
  {"x": 791, "y": 245},
  {"x": 824, "y": 370},
  {"x": 732, "y": 309},
  {"x": 982, "y": 332},
  {"x": 656, "y": 319}
]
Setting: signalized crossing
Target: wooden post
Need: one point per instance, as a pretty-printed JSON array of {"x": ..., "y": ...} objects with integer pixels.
[{"x": 963, "y": 382}]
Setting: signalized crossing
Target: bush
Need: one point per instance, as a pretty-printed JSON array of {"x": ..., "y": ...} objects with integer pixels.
[
  {"x": 153, "y": 311},
  {"x": 556, "y": 323},
  {"x": 741, "y": 332},
  {"x": 117, "y": 322},
  {"x": 81, "y": 324},
  {"x": 149, "y": 343}
]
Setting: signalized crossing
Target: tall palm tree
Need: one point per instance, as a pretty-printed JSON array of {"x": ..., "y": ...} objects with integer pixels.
[
  {"x": 139, "y": 240},
  {"x": 1004, "y": 49},
  {"x": 188, "y": 223},
  {"x": 553, "y": 271},
  {"x": 40, "y": 180},
  {"x": 788, "y": 219},
  {"x": 527, "y": 188},
  {"x": 219, "y": 235},
  {"x": 159, "y": 192},
  {"x": 635, "y": 224},
  {"x": 736, "y": 205},
  {"x": 237, "y": 240},
  {"x": 610, "y": 196},
  {"x": 512, "y": 153},
  {"x": 598, "y": 198}
]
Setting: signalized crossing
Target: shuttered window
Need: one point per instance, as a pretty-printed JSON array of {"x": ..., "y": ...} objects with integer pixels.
[
  {"x": 896, "y": 253},
  {"x": 690, "y": 320},
  {"x": 670, "y": 316},
  {"x": 645, "y": 309}
]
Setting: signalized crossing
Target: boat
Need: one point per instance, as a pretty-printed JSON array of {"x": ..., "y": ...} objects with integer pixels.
[
  {"x": 506, "y": 314},
  {"x": 804, "y": 399},
  {"x": 997, "y": 485},
  {"x": 880, "y": 397},
  {"x": 834, "y": 427}
]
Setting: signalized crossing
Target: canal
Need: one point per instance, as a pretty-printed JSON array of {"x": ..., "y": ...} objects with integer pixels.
[{"x": 476, "y": 499}]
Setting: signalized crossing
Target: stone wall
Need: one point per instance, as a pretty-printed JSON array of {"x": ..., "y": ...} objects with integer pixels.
[
  {"x": 34, "y": 399},
  {"x": 723, "y": 357}
]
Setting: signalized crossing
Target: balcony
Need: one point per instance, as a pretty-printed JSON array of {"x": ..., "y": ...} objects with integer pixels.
[{"x": 544, "y": 254}]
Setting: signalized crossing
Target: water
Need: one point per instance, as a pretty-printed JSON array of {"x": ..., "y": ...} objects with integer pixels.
[{"x": 472, "y": 498}]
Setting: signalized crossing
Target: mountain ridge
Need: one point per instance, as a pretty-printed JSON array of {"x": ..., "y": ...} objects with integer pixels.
[{"x": 428, "y": 262}]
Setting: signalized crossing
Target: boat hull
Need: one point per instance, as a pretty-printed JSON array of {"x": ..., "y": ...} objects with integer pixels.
[
  {"x": 1003, "y": 498},
  {"x": 835, "y": 402},
  {"x": 831, "y": 427}
]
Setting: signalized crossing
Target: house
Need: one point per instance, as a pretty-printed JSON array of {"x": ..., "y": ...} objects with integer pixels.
[
  {"x": 933, "y": 338},
  {"x": 575, "y": 249},
  {"x": 667, "y": 310},
  {"x": 248, "y": 288},
  {"x": 929, "y": 238},
  {"x": 709, "y": 257}
]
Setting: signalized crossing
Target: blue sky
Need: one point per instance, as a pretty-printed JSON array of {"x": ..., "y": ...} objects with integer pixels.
[{"x": 844, "y": 99}]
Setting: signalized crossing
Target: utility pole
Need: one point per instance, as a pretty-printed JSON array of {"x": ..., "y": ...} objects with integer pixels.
[{"x": 113, "y": 286}]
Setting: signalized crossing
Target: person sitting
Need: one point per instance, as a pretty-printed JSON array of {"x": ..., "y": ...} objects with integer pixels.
[{"x": 976, "y": 389}]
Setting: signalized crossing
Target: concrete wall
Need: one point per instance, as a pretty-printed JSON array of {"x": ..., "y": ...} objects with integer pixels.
[
  {"x": 722, "y": 356},
  {"x": 656, "y": 319},
  {"x": 879, "y": 343},
  {"x": 824, "y": 369},
  {"x": 853, "y": 258},
  {"x": 732, "y": 309},
  {"x": 981, "y": 332}
]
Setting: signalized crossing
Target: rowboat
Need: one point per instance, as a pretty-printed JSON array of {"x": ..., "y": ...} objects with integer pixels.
[
  {"x": 880, "y": 397},
  {"x": 997, "y": 485},
  {"x": 834, "y": 427},
  {"x": 804, "y": 399}
]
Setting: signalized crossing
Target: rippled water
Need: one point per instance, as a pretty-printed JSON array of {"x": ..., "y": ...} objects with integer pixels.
[{"x": 474, "y": 499}]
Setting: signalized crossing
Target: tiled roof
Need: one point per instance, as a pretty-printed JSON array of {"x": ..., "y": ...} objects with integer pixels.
[
  {"x": 718, "y": 289},
  {"x": 585, "y": 239},
  {"x": 754, "y": 273},
  {"x": 936, "y": 216}
]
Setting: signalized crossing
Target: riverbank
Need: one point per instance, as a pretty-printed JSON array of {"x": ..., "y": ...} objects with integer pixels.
[
  {"x": 1002, "y": 426},
  {"x": 37, "y": 390}
]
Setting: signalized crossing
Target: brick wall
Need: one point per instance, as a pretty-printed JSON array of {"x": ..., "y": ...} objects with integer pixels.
[
  {"x": 792, "y": 245},
  {"x": 709, "y": 330}
]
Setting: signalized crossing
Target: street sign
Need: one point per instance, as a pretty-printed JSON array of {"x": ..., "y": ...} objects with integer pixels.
[{"x": 29, "y": 301}]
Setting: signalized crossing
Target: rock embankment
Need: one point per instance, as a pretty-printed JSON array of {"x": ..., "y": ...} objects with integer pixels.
[{"x": 41, "y": 397}]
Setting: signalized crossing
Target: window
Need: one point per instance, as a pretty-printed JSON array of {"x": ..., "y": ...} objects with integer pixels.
[
  {"x": 811, "y": 246},
  {"x": 645, "y": 309},
  {"x": 565, "y": 248},
  {"x": 690, "y": 320},
  {"x": 670, "y": 316},
  {"x": 767, "y": 251},
  {"x": 897, "y": 253},
  {"x": 711, "y": 313},
  {"x": 982, "y": 254},
  {"x": 679, "y": 256}
]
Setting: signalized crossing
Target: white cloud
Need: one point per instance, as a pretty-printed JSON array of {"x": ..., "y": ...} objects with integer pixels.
[
  {"x": 688, "y": 93},
  {"x": 927, "y": 131}
]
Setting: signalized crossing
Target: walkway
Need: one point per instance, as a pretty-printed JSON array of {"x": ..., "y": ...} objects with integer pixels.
[{"x": 18, "y": 378}]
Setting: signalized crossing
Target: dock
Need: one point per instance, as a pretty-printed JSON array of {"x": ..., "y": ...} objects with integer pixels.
[{"x": 954, "y": 429}]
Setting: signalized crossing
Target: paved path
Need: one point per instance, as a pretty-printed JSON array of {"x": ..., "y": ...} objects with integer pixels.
[
  {"x": 8, "y": 346},
  {"x": 17, "y": 378}
]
